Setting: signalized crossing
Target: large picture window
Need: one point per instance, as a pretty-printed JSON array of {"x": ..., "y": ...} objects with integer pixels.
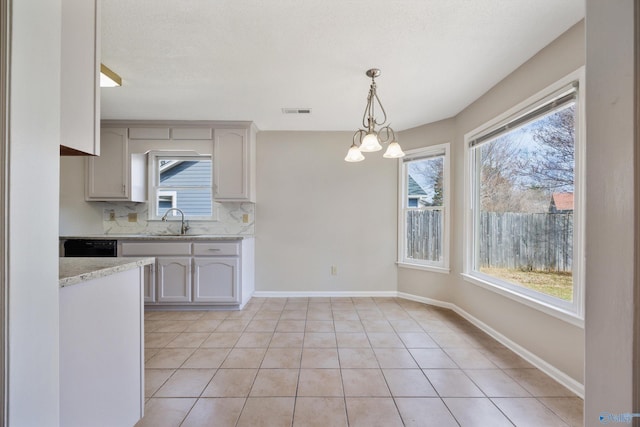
[
  {"x": 525, "y": 202},
  {"x": 181, "y": 180},
  {"x": 423, "y": 208}
]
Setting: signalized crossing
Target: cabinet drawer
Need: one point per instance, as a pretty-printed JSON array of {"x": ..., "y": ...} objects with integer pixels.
[
  {"x": 217, "y": 249},
  {"x": 155, "y": 249}
]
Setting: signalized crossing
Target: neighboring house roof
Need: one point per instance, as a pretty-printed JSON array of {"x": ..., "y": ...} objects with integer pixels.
[
  {"x": 415, "y": 189},
  {"x": 561, "y": 202}
]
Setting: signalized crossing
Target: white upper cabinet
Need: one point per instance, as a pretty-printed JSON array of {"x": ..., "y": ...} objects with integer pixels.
[
  {"x": 115, "y": 175},
  {"x": 234, "y": 165},
  {"x": 80, "y": 78}
]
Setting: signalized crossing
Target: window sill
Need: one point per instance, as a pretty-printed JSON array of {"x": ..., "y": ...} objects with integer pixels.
[
  {"x": 551, "y": 310},
  {"x": 432, "y": 268}
]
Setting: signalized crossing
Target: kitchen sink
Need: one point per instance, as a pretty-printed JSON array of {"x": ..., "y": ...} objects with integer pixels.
[{"x": 173, "y": 235}]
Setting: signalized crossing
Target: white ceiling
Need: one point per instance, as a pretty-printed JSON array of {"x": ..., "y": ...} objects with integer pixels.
[{"x": 248, "y": 59}]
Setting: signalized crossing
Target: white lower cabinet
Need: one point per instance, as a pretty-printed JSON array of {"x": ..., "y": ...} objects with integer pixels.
[
  {"x": 149, "y": 284},
  {"x": 217, "y": 273},
  {"x": 173, "y": 279},
  {"x": 215, "y": 279}
]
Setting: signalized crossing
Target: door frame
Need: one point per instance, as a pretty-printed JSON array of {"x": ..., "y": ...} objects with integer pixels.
[
  {"x": 636, "y": 195},
  {"x": 5, "y": 66}
]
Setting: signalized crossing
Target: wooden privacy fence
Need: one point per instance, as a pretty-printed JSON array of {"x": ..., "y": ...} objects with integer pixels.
[
  {"x": 424, "y": 234},
  {"x": 542, "y": 241},
  {"x": 526, "y": 241}
]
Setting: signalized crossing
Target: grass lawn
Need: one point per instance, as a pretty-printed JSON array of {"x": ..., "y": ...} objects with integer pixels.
[{"x": 556, "y": 284}]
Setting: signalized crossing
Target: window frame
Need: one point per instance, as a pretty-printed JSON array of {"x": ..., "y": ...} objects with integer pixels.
[
  {"x": 154, "y": 188},
  {"x": 174, "y": 195},
  {"x": 411, "y": 155},
  {"x": 572, "y": 312}
]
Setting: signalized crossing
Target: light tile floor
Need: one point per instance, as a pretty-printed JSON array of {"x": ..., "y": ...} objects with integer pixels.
[{"x": 340, "y": 362}]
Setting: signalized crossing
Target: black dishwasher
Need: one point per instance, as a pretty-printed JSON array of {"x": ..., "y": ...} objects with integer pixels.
[{"x": 90, "y": 248}]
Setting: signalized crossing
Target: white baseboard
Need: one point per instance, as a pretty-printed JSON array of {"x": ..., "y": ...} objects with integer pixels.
[{"x": 536, "y": 361}]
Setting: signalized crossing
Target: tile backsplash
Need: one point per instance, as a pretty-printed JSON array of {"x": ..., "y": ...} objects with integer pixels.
[{"x": 131, "y": 218}]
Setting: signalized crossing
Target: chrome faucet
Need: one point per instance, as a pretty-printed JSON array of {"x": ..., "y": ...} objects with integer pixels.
[{"x": 184, "y": 226}]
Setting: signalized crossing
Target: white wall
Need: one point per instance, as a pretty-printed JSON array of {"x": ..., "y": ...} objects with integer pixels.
[
  {"x": 315, "y": 210},
  {"x": 610, "y": 209},
  {"x": 77, "y": 217},
  {"x": 558, "y": 343},
  {"x": 33, "y": 214}
]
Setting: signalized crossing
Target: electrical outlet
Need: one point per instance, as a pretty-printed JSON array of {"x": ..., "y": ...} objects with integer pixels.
[
  {"x": 245, "y": 218},
  {"x": 334, "y": 270},
  {"x": 109, "y": 215},
  {"x": 133, "y": 217}
]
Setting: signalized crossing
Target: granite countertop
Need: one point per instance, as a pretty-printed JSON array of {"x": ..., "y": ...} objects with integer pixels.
[
  {"x": 77, "y": 270},
  {"x": 146, "y": 237}
]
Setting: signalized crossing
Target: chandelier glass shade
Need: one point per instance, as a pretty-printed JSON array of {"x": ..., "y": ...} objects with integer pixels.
[{"x": 374, "y": 132}]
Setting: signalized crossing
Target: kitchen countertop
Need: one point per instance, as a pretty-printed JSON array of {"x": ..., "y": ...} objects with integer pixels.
[
  {"x": 77, "y": 270},
  {"x": 145, "y": 237}
]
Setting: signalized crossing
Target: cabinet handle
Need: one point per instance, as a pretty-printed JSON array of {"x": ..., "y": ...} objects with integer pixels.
[{"x": 214, "y": 249}]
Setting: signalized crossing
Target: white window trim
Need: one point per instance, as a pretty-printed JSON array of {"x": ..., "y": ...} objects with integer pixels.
[
  {"x": 153, "y": 187},
  {"x": 571, "y": 312},
  {"x": 174, "y": 197},
  {"x": 403, "y": 261}
]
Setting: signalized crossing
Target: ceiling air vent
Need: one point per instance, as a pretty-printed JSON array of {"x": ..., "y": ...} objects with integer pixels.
[{"x": 296, "y": 111}]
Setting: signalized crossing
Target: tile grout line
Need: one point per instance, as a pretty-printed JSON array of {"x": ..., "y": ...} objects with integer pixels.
[
  {"x": 246, "y": 399},
  {"x": 390, "y": 316}
]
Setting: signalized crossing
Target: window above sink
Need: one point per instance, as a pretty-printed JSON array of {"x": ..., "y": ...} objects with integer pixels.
[{"x": 181, "y": 180}]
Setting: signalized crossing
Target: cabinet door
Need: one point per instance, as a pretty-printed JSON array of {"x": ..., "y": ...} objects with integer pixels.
[
  {"x": 216, "y": 280},
  {"x": 232, "y": 165},
  {"x": 149, "y": 284},
  {"x": 80, "y": 76},
  {"x": 174, "y": 279},
  {"x": 107, "y": 175}
]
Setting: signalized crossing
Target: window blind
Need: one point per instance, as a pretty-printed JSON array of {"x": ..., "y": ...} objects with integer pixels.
[
  {"x": 423, "y": 156},
  {"x": 551, "y": 103}
]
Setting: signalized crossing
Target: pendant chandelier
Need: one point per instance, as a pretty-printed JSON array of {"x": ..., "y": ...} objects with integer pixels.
[{"x": 369, "y": 139}]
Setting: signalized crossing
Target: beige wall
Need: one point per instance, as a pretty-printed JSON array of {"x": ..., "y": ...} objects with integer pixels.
[
  {"x": 314, "y": 210},
  {"x": 610, "y": 210}
]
